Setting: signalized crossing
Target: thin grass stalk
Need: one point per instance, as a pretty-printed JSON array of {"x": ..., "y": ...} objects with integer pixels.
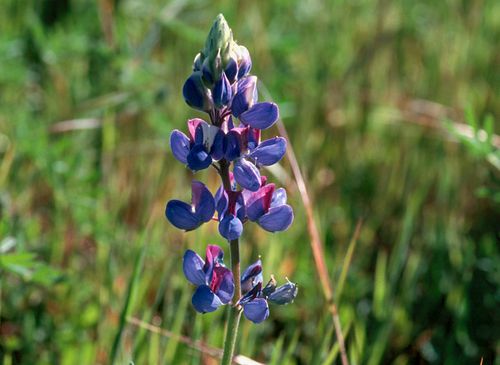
[{"x": 316, "y": 243}]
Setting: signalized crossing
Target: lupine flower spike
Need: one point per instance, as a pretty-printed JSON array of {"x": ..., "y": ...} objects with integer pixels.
[{"x": 230, "y": 139}]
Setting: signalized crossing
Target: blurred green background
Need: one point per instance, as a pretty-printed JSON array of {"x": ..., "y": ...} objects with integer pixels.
[{"x": 390, "y": 108}]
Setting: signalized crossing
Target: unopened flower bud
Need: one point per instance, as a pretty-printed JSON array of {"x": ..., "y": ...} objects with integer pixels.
[
  {"x": 198, "y": 62},
  {"x": 244, "y": 61},
  {"x": 196, "y": 94},
  {"x": 222, "y": 92},
  {"x": 285, "y": 294},
  {"x": 218, "y": 49}
]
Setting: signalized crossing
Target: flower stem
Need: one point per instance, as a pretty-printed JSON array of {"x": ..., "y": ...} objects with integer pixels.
[{"x": 234, "y": 311}]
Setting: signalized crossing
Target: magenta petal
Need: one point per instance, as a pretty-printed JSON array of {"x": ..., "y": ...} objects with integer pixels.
[
  {"x": 258, "y": 203},
  {"x": 256, "y": 310},
  {"x": 261, "y": 115},
  {"x": 192, "y": 125},
  {"x": 192, "y": 266},
  {"x": 204, "y": 300},
  {"x": 277, "y": 219},
  {"x": 223, "y": 284}
]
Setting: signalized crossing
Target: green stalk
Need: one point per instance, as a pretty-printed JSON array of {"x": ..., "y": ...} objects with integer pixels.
[{"x": 234, "y": 311}]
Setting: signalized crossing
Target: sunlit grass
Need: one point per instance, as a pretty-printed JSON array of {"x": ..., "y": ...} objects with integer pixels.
[{"x": 80, "y": 207}]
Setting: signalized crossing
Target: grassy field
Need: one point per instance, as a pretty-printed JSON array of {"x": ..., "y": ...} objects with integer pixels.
[{"x": 391, "y": 109}]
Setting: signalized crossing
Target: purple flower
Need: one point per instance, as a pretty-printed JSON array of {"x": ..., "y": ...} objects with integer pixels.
[
  {"x": 267, "y": 206},
  {"x": 204, "y": 145},
  {"x": 191, "y": 216},
  {"x": 215, "y": 284},
  {"x": 246, "y": 95},
  {"x": 255, "y": 298},
  {"x": 231, "y": 212}
]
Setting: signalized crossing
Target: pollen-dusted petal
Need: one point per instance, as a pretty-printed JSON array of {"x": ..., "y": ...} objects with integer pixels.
[
  {"x": 258, "y": 203},
  {"x": 223, "y": 284},
  {"x": 179, "y": 144},
  {"x": 181, "y": 215},
  {"x": 246, "y": 174},
  {"x": 261, "y": 115},
  {"x": 277, "y": 219},
  {"x": 284, "y": 294},
  {"x": 198, "y": 158},
  {"x": 256, "y": 310},
  {"x": 222, "y": 91},
  {"x": 192, "y": 265},
  {"x": 230, "y": 227},
  {"x": 204, "y": 300},
  {"x": 270, "y": 151},
  {"x": 279, "y": 198},
  {"x": 202, "y": 201},
  {"x": 245, "y": 97}
]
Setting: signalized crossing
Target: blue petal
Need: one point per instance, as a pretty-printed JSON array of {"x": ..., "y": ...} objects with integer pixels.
[
  {"x": 261, "y": 115},
  {"x": 217, "y": 150},
  {"x": 195, "y": 93},
  {"x": 179, "y": 144},
  {"x": 247, "y": 175},
  {"x": 204, "y": 300},
  {"x": 279, "y": 198},
  {"x": 245, "y": 95},
  {"x": 181, "y": 215},
  {"x": 231, "y": 70},
  {"x": 277, "y": 219},
  {"x": 203, "y": 201},
  {"x": 270, "y": 151},
  {"x": 223, "y": 284},
  {"x": 251, "y": 276},
  {"x": 257, "y": 310},
  {"x": 192, "y": 265},
  {"x": 221, "y": 201},
  {"x": 230, "y": 227},
  {"x": 232, "y": 146},
  {"x": 284, "y": 294},
  {"x": 222, "y": 92},
  {"x": 198, "y": 158}
]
